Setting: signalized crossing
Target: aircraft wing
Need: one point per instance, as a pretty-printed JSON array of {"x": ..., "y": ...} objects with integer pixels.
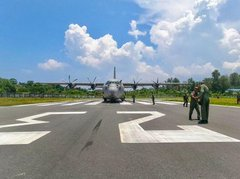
[
  {"x": 91, "y": 85},
  {"x": 53, "y": 83},
  {"x": 153, "y": 84},
  {"x": 97, "y": 85}
]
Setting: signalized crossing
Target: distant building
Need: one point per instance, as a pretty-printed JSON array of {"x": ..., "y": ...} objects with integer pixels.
[{"x": 233, "y": 90}]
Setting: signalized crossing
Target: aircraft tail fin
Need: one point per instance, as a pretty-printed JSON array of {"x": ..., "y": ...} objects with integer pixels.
[{"x": 114, "y": 73}]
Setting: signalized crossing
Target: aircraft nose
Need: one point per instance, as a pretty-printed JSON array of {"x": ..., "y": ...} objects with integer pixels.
[{"x": 112, "y": 88}]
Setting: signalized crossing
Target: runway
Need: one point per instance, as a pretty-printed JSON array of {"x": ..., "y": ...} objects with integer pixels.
[{"x": 92, "y": 139}]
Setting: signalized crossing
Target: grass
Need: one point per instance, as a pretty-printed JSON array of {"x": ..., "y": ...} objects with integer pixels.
[
  {"x": 225, "y": 101},
  {"x": 218, "y": 101},
  {"x": 19, "y": 101}
]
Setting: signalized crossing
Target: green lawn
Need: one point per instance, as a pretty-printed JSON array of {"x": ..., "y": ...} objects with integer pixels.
[
  {"x": 19, "y": 101},
  {"x": 219, "y": 101}
]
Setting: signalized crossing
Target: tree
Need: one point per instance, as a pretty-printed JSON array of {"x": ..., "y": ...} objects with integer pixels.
[
  {"x": 176, "y": 80},
  {"x": 30, "y": 83},
  {"x": 234, "y": 79},
  {"x": 215, "y": 84},
  {"x": 6, "y": 86},
  {"x": 169, "y": 80},
  {"x": 37, "y": 88},
  {"x": 224, "y": 83},
  {"x": 22, "y": 89},
  {"x": 216, "y": 74},
  {"x": 1, "y": 90},
  {"x": 208, "y": 82},
  {"x": 192, "y": 84},
  {"x": 13, "y": 81},
  {"x": 177, "y": 87}
]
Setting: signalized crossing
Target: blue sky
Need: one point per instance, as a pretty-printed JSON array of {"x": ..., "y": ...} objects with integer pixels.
[{"x": 145, "y": 39}]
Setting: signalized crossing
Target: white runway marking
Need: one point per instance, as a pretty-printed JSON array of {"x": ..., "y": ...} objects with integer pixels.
[
  {"x": 93, "y": 103},
  {"x": 237, "y": 107},
  {"x": 142, "y": 102},
  {"x": 125, "y": 103},
  {"x": 50, "y": 104},
  {"x": 132, "y": 132},
  {"x": 16, "y": 138},
  {"x": 72, "y": 104},
  {"x": 31, "y": 119},
  {"x": 24, "y": 105},
  {"x": 167, "y": 103}
]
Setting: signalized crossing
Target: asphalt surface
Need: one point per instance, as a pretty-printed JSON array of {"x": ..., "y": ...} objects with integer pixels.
[{"x": 90, "y": 146}]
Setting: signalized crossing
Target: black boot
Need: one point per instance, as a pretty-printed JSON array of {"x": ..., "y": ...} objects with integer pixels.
[{"x": 203, "y": 122}]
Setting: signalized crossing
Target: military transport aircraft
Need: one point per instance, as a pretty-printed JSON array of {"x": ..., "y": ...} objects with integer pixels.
[{"x": 113, "y": 89}]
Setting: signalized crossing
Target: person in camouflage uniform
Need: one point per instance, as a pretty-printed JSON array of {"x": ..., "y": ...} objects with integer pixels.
[
  {"x": 133, "y": 98},
  {"x": 204, "y": 102},
  {"x": 185, "y": 100},
  {"x": 238, "y": 98},
  {"x": 153, "y": 99},
  {"x": 194, "y": 104}
]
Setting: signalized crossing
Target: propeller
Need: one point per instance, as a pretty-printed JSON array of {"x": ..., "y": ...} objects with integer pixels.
[
  {"x": 156, "y": 84},
  {"x": 92, "y": 83},
  {"x": 135, "y": 84},
  {"x": 71, "y": 84}
]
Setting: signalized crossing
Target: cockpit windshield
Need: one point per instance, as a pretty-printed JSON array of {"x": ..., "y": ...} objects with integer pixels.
[{"x": 112, "y": 82}]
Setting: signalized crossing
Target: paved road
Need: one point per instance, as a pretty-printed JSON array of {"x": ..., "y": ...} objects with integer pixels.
[{"x": 102, "y": 140}]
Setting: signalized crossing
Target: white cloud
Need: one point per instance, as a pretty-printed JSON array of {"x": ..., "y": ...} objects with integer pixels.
[
  {"x": 138, "y": 51},
  {"x": 182, "y": 71},
  {"x": 233, "y": 66},
  {"x": 187, "y": 29},
  {"x": 163, "y": 33},
  {"x": 87, "y": 50},
  {"x": 134, "y": 31},
  {"x": 51, "y": 65},
  {"x": 210, "y": 4},
  {"x": 231, "y": 40},
  {"x": 194, "y": 70},
  {"x": 210, "y": 9},
  {"x": 149, "y": 72},
  {"x": 93, "y": 52},
  {"x": 171, "y": 10},
  {"x": 162, "y": 9},
  {"x": 169, "y": 18},
  {"x": 104, "y": 53}
]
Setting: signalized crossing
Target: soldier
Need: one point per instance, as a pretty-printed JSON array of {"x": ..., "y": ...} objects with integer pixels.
[
  {"x": 194, "y": 104},
  {"x": 153, "y": 99},
  {"x": 204, "y": 101},
  {"x": 185, "y": 100},
  {"x": 133, "y": 97},
  {"x": 238, "y": 98}
]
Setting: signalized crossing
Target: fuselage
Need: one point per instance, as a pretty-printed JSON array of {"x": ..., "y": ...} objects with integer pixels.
[{"x": 113, "y": 90}]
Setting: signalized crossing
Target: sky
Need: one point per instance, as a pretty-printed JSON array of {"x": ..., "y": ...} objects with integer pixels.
[{"x": 45, "y": 41}]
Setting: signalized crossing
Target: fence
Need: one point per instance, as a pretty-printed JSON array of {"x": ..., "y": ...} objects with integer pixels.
[{"x": 16, "y": 95}]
